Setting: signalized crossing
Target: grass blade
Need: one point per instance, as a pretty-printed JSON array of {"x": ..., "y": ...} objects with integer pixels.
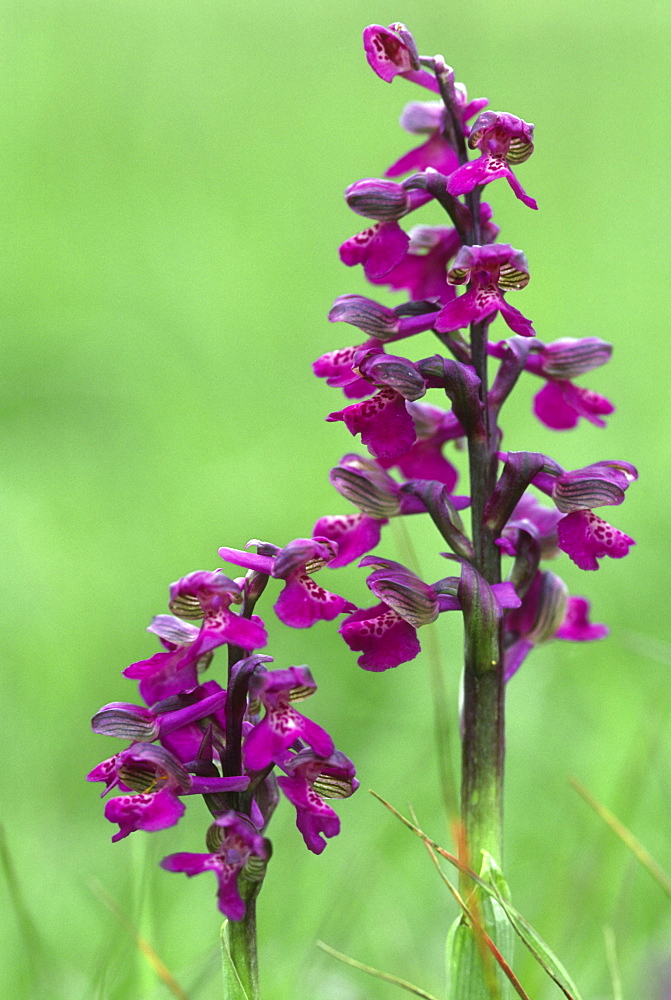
[{"x": 386, "y": 976}]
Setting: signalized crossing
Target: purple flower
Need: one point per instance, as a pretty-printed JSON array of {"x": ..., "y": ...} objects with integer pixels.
[
  {"x": 502, "y": 139},
  {"x": 159, "y": 778},
  {"x": 546, "y": 613},
  {"x": 583, "y": 535},
  {"x": 379, "y": 248},
  {"x": 532, "y": 518},
  {"x": 489, "y": 270},
  {"x": 385, "y": 426},
  {"x": 560, "y": 404},
  {"x": 302, "y": 601},
  {"x": 382, "y": 636},
  {"x": 205, "y": 595},
  {"x": 282, "y": 725},
  {"x": 239, "y": 844},
  {"x": 337, "y": 367},
  {"x": 386, "y": 634},
  {"x": 309, "y": 779},
  {"x": 392, "y": 52}
]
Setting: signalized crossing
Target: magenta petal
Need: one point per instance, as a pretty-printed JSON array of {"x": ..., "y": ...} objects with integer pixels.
[
  {"x": 515, "y": 656},
  {"x": 303, "y": 602},
  {"x": 144, "y": 812},
  {"x": 463, "y": 180},
  {"x": 552, "y": 410},
  {"x": 458, "y": 314},
  {"x": 585, "y": 538},
  {"x": 354, "y": 534},
  {"x": 386, "y": 427},
  {"x": 314, "y": 817},
  {"x": 425, "y": 461},
  {"x": 230, "y": 901},
  {"x": 279, "y": 728},
  {"x": 379, "y": 249},
  {"x": 576, "y": 625},
  {"x": 560, "y": 405},
  {"x": 520, "y": 192},
  {"x": 384, "y": 638},
  {"x": 337, "y": 367},
  {"x": 249, "y": 633},
  {"x": 386, "y": 53},
  {"x": 515, "y": 320},
  {"x": 435, "y": 152}
]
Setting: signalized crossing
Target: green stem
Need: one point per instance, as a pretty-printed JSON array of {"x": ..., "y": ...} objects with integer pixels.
[
  {"x": 240, "y": 949},
  {"x": 483, "y": 712}
]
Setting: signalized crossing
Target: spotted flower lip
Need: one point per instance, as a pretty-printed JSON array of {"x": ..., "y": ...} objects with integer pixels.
[
  {"x": 207, "y": 595},
  {"x": 239, "y": 843},
  {"x": 385, "y": 426},
  {"x": 489, "y": 270},
  {"x": 302, "y": 601},
  {"x": 309, "y": 779},
  {"x": 282, "y": 725},
  {"x": 503, "y": 139}
]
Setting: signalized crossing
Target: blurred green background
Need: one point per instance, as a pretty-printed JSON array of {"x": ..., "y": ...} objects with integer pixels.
[{"x": 171, "y": 206}]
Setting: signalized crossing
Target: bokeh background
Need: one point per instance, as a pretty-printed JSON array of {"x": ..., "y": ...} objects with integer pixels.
[{"x": 170, "y": 210}]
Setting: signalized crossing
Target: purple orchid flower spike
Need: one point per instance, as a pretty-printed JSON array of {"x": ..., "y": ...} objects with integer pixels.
[
  {"x": 206, "y": 595},
  {"x": 282, "y": 725},
  {"x": 309, "y": 779},
  {"x": 239, "y": 845},
  {"x": 489, "y": 270},
  {"x": 502, "y": 139}
]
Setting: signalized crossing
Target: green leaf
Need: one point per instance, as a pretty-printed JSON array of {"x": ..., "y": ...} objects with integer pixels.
[
  {"x": 530, "y": 937},
  {"x": 472, "y": 973},
  {"x": 233, "y": 988}
]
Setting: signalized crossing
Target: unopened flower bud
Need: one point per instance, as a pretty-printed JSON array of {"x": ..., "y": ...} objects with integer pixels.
[
  {"x": 570, "y": 357},
  {"x": 374, "y": 319},
  {"x": 382, "y": 200}
]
